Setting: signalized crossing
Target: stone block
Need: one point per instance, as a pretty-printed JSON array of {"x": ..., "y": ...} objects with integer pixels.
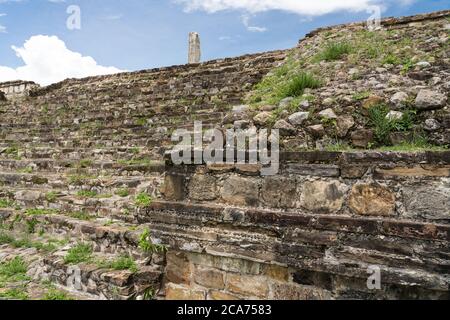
[
  {"x": 279, "y": 192},
  {"x": 177, "y": 292},
  {"x": 240, "y": 191},
  {"x": 427, "y": 201},
  {"x": 178, "y": 269},
  {"x": 323, "y": 196},
  {"x": 202, "y": 187},
  {"x": 276, "y": 272},
  {"x": 372, "y": 200},
  {"x": 221, "y": 296},
  {"x": 286, "y": 291},
  {"x": 249, "y": 286},
  {"x": 209, "y": 278},
  {"x": 173, "y": 188}
]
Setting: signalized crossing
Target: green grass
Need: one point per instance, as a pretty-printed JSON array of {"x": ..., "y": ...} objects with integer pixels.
[
  {"x": 143, "y": 200},
  {"x": 40, "y": 212},
  {"x": 51, "y": 196},
  {"x": 87, "y": 194},
  {"x": 81, "y": 215},
  {"x": 335, "y": 51},
  {"x": 14, "y": 270},
  {"x": 135, "y": 162},
  {"x": 53, "y": 294},
  {"x": 14, "y": 294},
  {"x": 80, "y": 179},
  {"x": 85, "y": 163},
  {"x": 26, "y": 243},
  {"x": 297, "y": 85},
  {"x": 383, "y": 126},
  {"x": 6, "y": 203},
  {"x": 123, "y": 193},
  {"x": 28, "y": 170},
  {"x": 146, "y": 244},
  {"x": 361, "y": 95},
  {"x": 122, "y": 263},
  {"x": 80, "y": 253}
]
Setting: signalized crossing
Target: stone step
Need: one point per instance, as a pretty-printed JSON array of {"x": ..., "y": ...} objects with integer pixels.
[
  {"x": 325, "y": 244},
  {"x": 82, "y": 166},
  {"x": 14, "y": 128},
  {"x": 86, "y": 280},
  {"x": 53, "y": 236},
  {"x": 100, "y": 184}
]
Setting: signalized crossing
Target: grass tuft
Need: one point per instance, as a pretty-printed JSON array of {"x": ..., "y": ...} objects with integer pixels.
[
  {"x": 335, "y": 51},
  {"x": 80, "y": 253}
]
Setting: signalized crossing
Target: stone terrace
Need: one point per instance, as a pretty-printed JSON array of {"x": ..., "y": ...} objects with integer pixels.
[{"x": 91, "y": 209}]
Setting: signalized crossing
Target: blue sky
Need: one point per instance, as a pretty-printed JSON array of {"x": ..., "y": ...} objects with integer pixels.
[{"x": 140, "y": 34}]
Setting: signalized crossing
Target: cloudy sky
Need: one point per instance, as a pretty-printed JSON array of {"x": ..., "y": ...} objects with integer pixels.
[{"x": 37, "y": 44}]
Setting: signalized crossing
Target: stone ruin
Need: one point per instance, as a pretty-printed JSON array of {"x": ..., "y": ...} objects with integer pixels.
[
  {"x": 194, "y": 48},
  {"x": 87, "y": 161},
  {"x": 16, "y": 89}
]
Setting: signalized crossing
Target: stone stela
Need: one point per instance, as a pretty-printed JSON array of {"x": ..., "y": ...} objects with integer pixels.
[{"x": 194, "y": 48}]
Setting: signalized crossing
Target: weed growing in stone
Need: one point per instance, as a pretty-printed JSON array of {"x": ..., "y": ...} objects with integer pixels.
[
  {"x": 82, "y": 252},
  {"x": 14, "y": 270},
  {"x": 146, "y": 244},
  {"x": 6, "y": 203},
  {"x": 40, "y": 212},
  {"x": 143, "y": 200},
  {"x": 51, "y": 196},
  {"x": 335, "y": 51},
  {"x": 86, "y": 194},
  {"x": 123, "y": 193},
  {"x": 53, "y": 294},
  {"x": 14, "y": 294},
  {"x": 121, "y": 263},
  {"x": 26, "y": 243},
  {"x": 297, "y": 85}
]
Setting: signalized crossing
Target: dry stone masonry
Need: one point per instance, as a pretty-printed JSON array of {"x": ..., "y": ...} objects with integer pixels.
[
  {"x": 194, "y": 48},
  {"x": 92, "y": 206}
]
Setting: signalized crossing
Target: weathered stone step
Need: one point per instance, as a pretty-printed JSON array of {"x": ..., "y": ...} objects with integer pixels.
[
  {"x": 87, "y": 279},
  {"x": 83, "y": 166},
  {"x": 79, "y": 181},
  {"x": 102, "y": 127}
]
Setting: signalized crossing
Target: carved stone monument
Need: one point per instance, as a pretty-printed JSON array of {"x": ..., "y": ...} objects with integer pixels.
[{"x": 194, "y": 48}]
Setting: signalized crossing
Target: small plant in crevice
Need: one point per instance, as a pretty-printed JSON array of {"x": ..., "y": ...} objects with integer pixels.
[
  {"x": 335, "y": 51},
  {"x": 123, "y": 193},
  {"x": 14, "y": 270},
  {"x": 82, "y": 252},
  {"x": 56, "y": 295},
  {"x": 146, "y": 244},
  {"x": 124, "y": 262},
  {"x": 296, "y": 86},
  {"x": 40, "y": 212},
  {"x": 87, "y": 194},
  {"x": 31, "y": 225},
  {"x": 383, "y": 126},
  {"x": 6, "y": 203},
  {"x": 143, "y": 200},
  {"x": 149, "y": 294},
  {"x": 51, "y": 196}
]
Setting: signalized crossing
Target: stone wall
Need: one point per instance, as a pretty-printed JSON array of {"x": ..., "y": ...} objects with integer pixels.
[
  {"x": 14, "y": 89},
  {"x": 310, "y": 232}
]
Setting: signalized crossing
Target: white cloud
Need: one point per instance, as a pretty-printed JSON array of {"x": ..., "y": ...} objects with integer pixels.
[
  {"x": 301, "y": 7},
  {"x": 246, "y": 22},
  {"x": 2, "y": 28},
  {"x": 47, "y": 60}
]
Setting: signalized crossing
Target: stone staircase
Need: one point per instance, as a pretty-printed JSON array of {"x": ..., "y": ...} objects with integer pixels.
[{"x": 80, "y": 159}]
